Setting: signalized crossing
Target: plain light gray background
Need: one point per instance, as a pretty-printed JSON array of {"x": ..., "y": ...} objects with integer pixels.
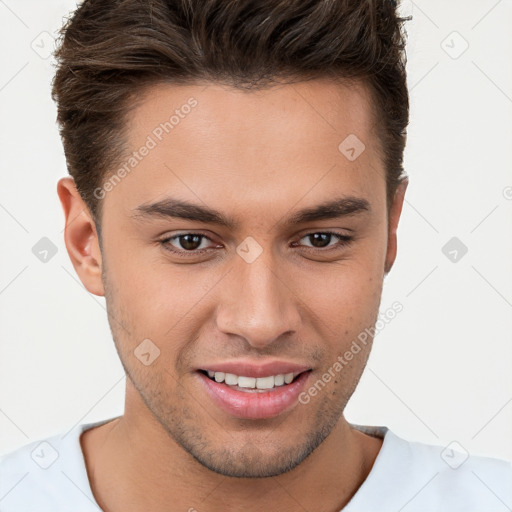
[{"x": 439, "y": 372}]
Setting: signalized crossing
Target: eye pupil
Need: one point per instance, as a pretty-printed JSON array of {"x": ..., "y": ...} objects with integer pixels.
[
  {"x": 323, "y": 238},
  {"x": 190, "y": 242}
]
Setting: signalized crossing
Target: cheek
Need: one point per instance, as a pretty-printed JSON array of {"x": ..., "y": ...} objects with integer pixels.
[
  {"x": 157, "y": 300},
  {"x": 344, "y": 293},
  {"x": 150, "y": 285}
]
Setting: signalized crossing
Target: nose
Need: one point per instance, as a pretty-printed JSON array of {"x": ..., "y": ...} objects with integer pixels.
[{"x": 258, "y": 302}]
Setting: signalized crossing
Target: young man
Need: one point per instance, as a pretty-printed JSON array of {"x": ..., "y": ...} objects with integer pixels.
[{"x": 236, "y": 189}]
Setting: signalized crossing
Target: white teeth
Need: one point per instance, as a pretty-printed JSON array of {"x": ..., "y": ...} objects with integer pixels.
[
  {"x": 279, "y": 380},
  {"x": 246, "y": 382},
  {"x": 231, "y": 379},
  {"x": 252, "y": 382},
  {"x": 265, "y": 382}
]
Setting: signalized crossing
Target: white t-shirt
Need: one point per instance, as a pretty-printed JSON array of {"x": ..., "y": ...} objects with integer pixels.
[{"x": 50, "y": 476}]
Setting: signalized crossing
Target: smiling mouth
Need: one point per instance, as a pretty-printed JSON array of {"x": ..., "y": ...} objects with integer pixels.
[{"x": 252, "y": 384}]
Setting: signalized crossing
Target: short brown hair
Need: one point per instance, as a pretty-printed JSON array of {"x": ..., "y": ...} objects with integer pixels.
[{"x": 111, "y": 50}]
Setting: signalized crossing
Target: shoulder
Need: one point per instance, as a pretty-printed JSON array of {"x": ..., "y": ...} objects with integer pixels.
[
  {"x": 416, "y": 477},
  {"x": 462, "y": 480},
  {"x": 47, "y": 475},
  {"x": 30, "y": 475}
]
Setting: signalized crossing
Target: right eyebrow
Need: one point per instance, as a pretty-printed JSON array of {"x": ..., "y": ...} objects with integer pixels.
[{"x": 176, "y": 208}]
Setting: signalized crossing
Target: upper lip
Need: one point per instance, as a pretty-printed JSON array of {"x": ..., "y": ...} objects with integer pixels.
[{"x": 252, "y": 369}]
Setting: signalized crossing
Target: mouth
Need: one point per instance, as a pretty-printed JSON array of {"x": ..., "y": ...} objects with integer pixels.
[
  {"x": 252, "y": 397},
  {"x": 246, "y": 384}
]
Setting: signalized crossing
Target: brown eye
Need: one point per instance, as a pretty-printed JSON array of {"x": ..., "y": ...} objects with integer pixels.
[
  {"x": 191, "y": 243},
  {"x": 321, "y": 240}
]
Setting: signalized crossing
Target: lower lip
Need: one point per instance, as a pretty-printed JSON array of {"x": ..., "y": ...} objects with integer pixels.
[{"x": 253, "y": 404}]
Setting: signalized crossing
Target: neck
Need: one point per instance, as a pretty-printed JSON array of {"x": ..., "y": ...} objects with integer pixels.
[{"x": 133, "y": 464}]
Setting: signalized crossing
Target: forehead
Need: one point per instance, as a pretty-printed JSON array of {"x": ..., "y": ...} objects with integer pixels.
[
  {"x": 221, "y": 146},
  {"x": 285, "y": 113}
]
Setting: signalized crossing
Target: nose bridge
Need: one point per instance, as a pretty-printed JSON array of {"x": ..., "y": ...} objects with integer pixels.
[{"x": 257, "y": 304}]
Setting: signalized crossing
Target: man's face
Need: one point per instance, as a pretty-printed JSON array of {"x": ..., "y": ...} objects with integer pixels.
[{"x": 264, "y": 290}]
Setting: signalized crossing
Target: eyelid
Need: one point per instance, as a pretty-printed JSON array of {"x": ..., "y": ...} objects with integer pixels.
[
  {"x": 167, "y": 239},
  {"x": 343, "y": 241}
]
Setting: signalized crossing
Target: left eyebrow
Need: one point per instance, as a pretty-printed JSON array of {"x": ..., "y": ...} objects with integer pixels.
[
  {"x": 333, "y": 209},
  {"x": 176, "y": 208}
]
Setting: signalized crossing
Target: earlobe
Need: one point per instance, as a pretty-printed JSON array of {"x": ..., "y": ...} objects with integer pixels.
[
  {"x": 81, "y": 237},
  {"x": 394, "y": 217}
]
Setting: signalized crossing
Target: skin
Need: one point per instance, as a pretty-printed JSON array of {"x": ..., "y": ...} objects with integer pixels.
[{"x": 257, "y": 157}]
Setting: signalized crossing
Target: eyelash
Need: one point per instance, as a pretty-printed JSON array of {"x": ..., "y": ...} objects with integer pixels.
[{"x": 344, "y": 240}]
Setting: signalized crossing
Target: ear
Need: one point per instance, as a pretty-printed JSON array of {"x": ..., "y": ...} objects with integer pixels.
[
  {"x": 81, "y": 237},
  {"x": 394, "y": 217}
]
